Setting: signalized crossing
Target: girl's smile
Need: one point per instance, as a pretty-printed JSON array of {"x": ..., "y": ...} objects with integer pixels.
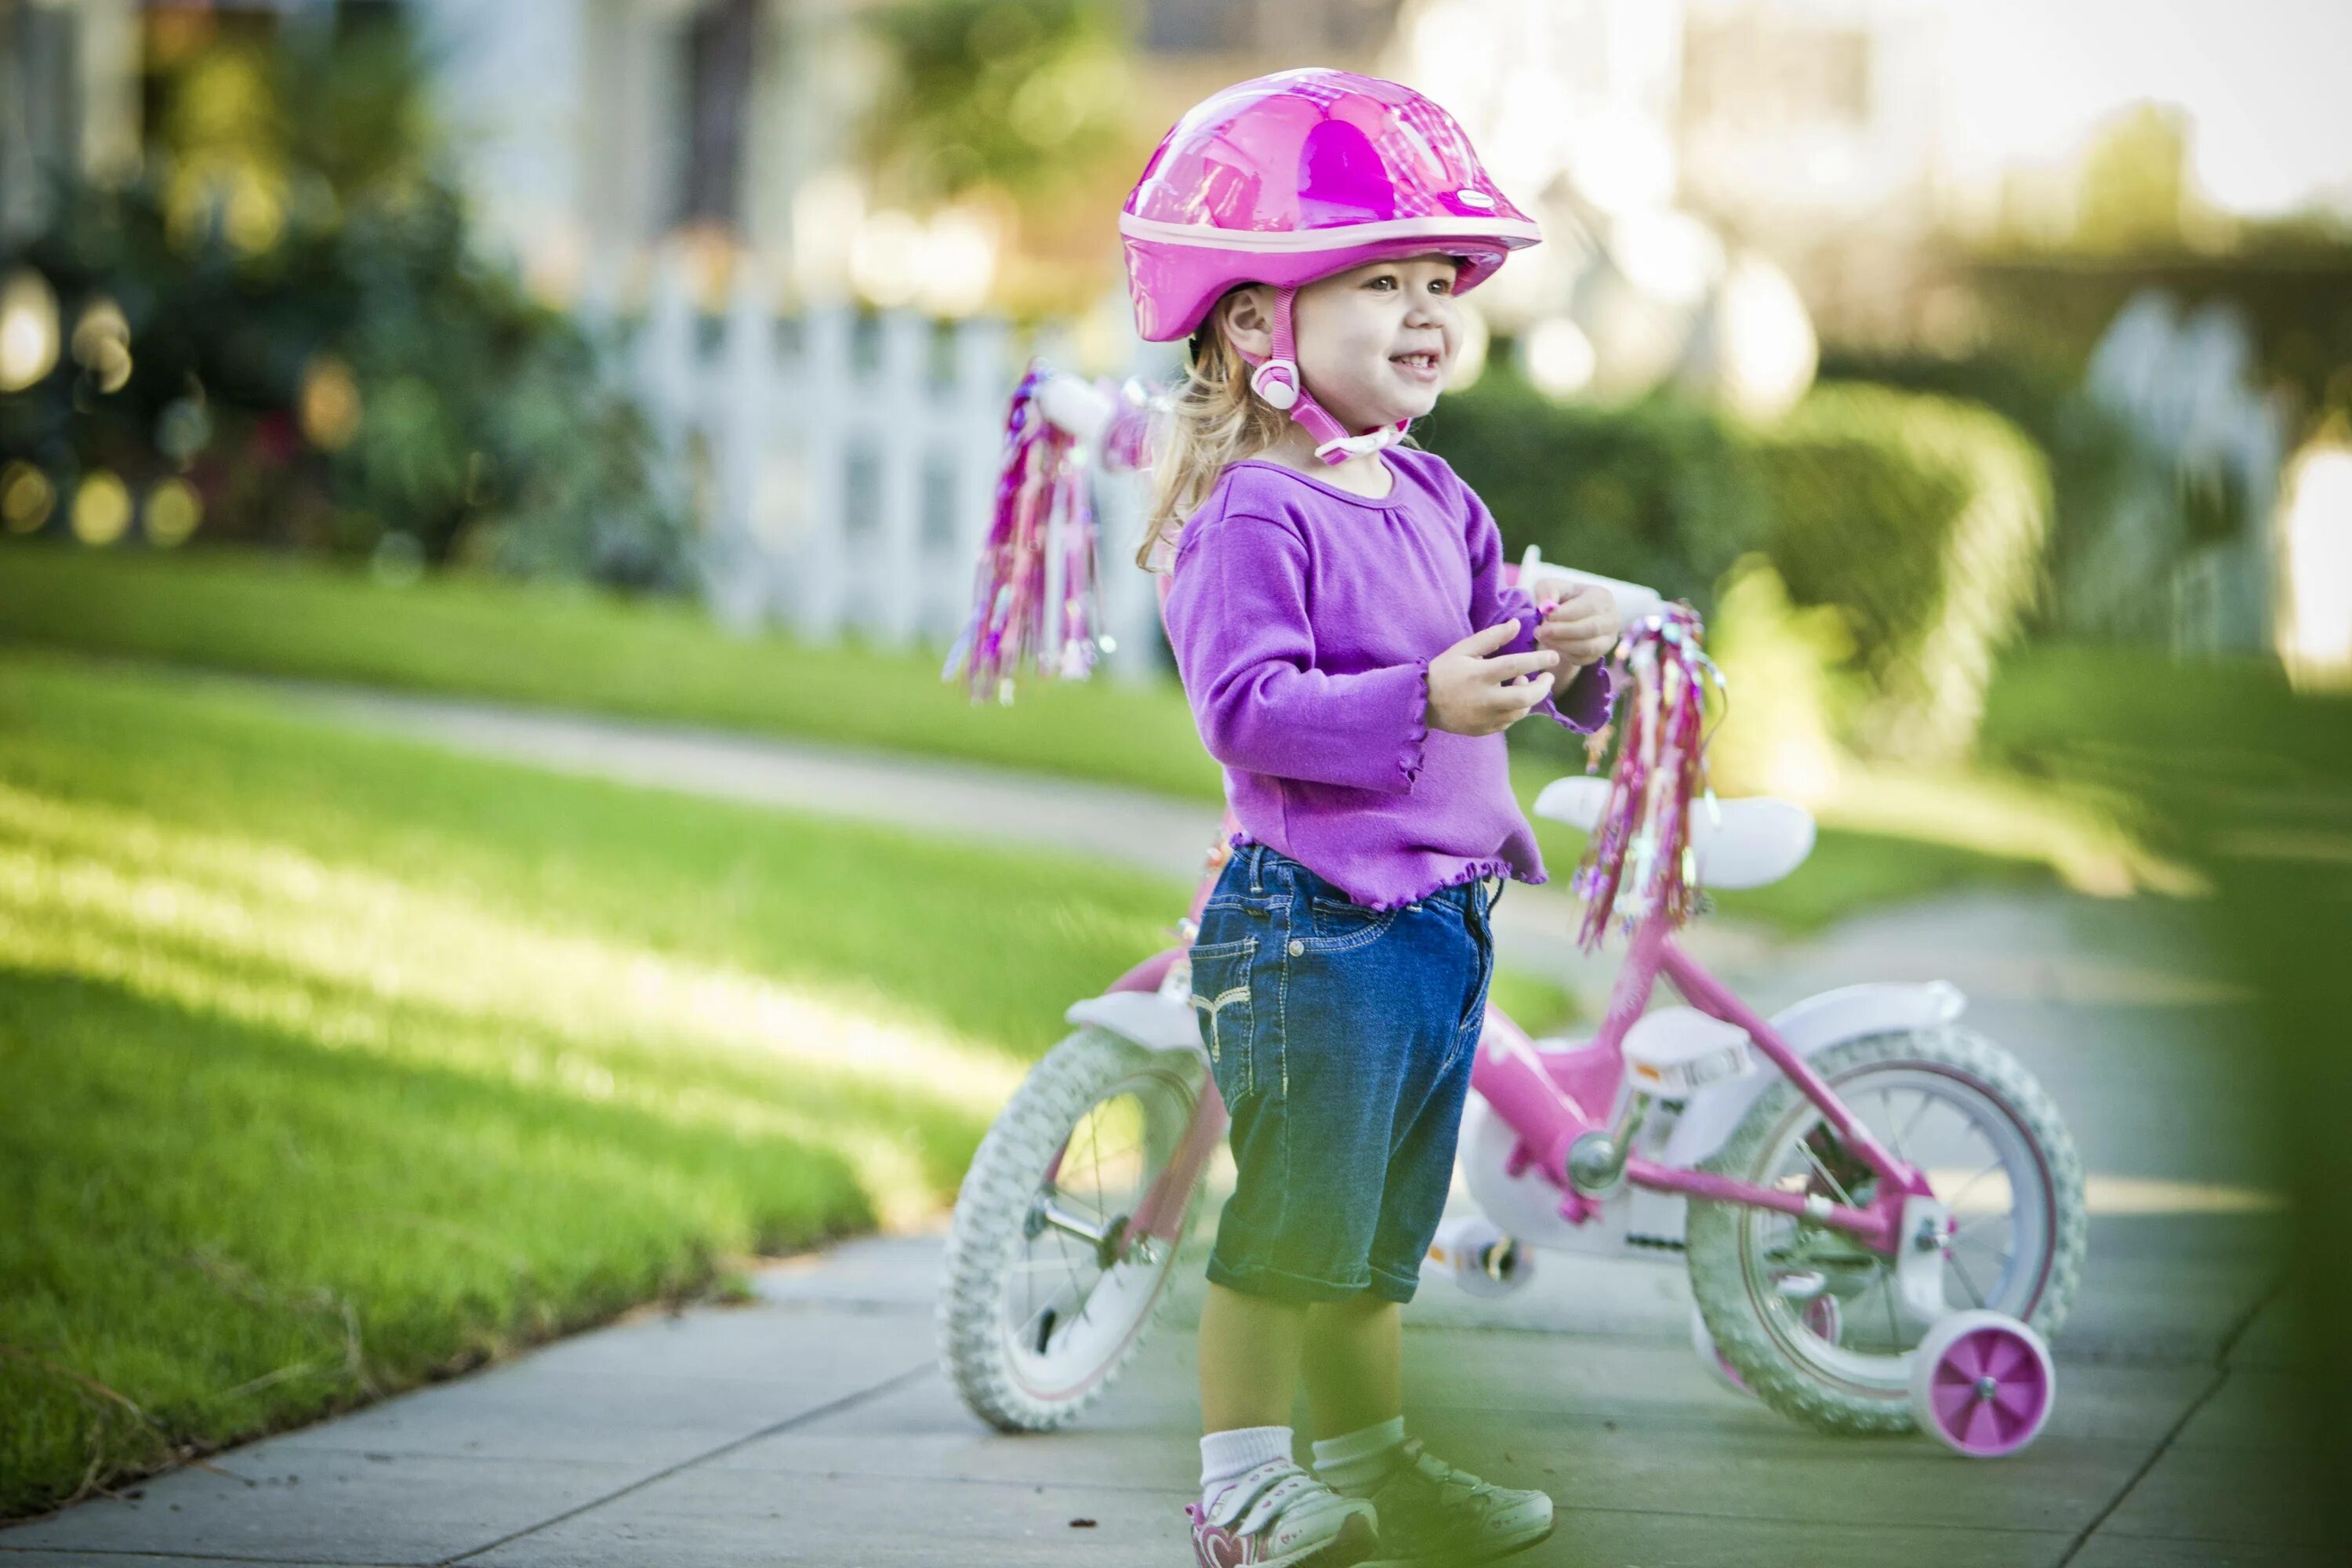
[{"x": 1420, "y": 366}]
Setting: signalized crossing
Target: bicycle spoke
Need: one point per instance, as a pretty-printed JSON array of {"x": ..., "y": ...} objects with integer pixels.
[
  {"x": 1806, "y": 1149},
  {"x": 1992, "y": 1249},
  {"x": 1966, "y": 1187},
  {"x": 1926, "y": 1103},
  {"x": 1094, "y": 1145},
  {"x": 1042, "y": 1266},
  {"x": 1975, "y": 1297},
  {"x": 1064, "y": 1184},
  {"x": 1134, "y": 1146},
  {"x": 1021, "y": 1335},
  {"x": 1099, "y": 1212},
  {"x": 2001, "y": 1260},
  {"x": 1895, "y": 1137}
]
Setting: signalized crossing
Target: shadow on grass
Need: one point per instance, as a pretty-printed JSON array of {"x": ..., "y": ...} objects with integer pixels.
[{"x": 220, "y": 1229}]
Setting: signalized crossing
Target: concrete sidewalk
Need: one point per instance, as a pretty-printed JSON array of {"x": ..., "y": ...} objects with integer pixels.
[
  {"x": 814, "y": 1426},
  {"x": 814, "y": 1429}
]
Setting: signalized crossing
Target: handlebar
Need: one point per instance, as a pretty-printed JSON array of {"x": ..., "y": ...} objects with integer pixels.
[
  {"x": 1076, "y": 405},
  {"x": 1634, "y": 600}
]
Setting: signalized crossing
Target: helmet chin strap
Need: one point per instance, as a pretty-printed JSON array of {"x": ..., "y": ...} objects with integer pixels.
[{"x": 1278, "y": 381}]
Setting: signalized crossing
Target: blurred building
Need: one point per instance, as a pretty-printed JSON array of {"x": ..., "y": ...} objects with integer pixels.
[
  {"x": 595, "y": 129},
  {"x": 587, "y": 131},
  {"x": 1808, "y": 129},
  {"x": 69, "y": 100}
]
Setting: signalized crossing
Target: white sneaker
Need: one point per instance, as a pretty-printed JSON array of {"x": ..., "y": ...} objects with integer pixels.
[
  {"x": 1431, "y": 1512},
  {"x": 1279, "y": 1516}
]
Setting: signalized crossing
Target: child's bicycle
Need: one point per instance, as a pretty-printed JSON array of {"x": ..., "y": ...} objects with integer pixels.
[{"x": 1882, "y": 1221}]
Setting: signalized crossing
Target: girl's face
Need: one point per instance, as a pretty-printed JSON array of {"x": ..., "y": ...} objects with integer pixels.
[{"x": 1375, "y": 342}]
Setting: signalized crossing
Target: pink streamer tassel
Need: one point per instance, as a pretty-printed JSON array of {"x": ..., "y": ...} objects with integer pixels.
[
  {"x": 1044, "y": 492},
  {"x": 1044, "y": 482},
  {"x": 1639, "y": 861}
]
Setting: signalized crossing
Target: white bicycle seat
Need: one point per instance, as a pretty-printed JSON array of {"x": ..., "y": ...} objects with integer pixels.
[{"x": 1760, "y": 840}]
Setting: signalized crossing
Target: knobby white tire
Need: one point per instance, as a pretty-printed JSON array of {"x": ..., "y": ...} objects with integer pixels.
[
  {"x": 1737, "y": 1254},
  {"x": 1021, "y": 1367}
]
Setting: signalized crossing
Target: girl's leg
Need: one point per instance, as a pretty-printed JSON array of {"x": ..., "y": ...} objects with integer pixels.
[
  {"x": 1249, "y": 1360},
  {"x": 1352, "y": 1362}
]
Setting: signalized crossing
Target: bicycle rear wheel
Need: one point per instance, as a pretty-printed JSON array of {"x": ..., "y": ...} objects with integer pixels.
[
  {"x": 1994, "y": 1149},
  {"x": 1047, "y": 1295}
]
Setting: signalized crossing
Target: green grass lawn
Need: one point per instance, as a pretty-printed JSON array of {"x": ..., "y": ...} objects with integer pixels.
[
  {"x": 581, "y": 650},
  {"x": 576, "y": 648},
  {"x": 336, "y": 1063}
]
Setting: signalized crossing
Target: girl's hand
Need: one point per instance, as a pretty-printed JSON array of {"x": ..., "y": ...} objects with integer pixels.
[
  {"x": 1580, "y": 625},
  {"x": 1470, "y": 694}
]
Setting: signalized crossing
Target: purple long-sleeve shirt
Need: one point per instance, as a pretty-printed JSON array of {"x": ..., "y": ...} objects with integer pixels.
[{"x": 1303, "y": 620}]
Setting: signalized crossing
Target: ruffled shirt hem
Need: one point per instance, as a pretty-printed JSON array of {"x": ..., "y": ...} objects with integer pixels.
[{"x": 1467, "y": 871}]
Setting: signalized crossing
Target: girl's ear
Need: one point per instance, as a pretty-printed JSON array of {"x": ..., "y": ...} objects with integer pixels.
[{"x": 1246, "y": 318}]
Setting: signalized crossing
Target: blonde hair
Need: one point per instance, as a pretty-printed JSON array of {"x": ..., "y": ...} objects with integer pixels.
[{"x": 1212, "y": 421}]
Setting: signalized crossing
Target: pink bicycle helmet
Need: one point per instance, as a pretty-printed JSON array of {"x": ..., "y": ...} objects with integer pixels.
[{"x": 1295, "y": 177}]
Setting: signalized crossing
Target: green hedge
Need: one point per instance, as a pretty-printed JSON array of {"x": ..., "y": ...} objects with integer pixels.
[
  {"x": 2090, "y": 450},
  {"x": 1661, "y": 492},
  {"x": 1923, "y": 518}
]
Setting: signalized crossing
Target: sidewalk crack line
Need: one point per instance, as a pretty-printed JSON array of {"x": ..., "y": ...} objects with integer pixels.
[{"x": 846, "y": 1402}]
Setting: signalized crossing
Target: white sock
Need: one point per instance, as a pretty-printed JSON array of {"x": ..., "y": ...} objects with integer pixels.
[
  {"x": 1354, "y": 1462},
  {"x": 1227, "y": 1456}
]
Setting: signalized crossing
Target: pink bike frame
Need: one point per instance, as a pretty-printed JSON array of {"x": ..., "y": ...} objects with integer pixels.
[{"x": 1553, "y": 1098}]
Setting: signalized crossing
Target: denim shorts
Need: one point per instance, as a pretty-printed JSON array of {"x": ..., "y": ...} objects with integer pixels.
[{"x": 1341, "y": 1040}]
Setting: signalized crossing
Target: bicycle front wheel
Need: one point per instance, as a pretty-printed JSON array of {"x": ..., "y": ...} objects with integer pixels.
[{"x": 1046, "y": 1294}]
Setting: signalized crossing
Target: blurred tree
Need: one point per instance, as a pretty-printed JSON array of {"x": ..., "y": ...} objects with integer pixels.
[
  {"x": 2136, "y": 194},
  {"x": 1660, "y": 491},
  {"x": 1924, "y": 521},
  {"x": 284, "y": 315},
  {"x": 1025, "y": 98},
  {"x": 1029, "y": 109}
]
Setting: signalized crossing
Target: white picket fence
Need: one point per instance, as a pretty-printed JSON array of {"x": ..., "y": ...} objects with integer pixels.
[{"x": 843, "y": 466}]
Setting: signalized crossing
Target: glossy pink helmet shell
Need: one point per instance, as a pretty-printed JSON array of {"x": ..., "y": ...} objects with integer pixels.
[{"x": 1291, "y": 177}]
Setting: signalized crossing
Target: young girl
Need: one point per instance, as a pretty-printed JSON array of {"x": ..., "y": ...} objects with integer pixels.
[{"x": 1352, "y": 657}]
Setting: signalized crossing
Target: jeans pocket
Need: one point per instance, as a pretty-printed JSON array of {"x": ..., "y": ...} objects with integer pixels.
[
  {"x": 1221, "y": 997},
  {"x": 1340, "y": 926}
]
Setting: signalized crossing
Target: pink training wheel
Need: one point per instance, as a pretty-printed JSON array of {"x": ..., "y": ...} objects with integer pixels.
[{"x": 1983, "y": 1381}]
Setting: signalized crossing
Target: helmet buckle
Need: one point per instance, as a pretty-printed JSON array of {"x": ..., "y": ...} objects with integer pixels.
[{"x": 1277, "y": 381}]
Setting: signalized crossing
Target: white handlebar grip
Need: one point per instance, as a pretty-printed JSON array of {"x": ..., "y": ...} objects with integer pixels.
[
  {"x": 1634, "y": 600},
  {"x": 1076, "y": 406}
]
